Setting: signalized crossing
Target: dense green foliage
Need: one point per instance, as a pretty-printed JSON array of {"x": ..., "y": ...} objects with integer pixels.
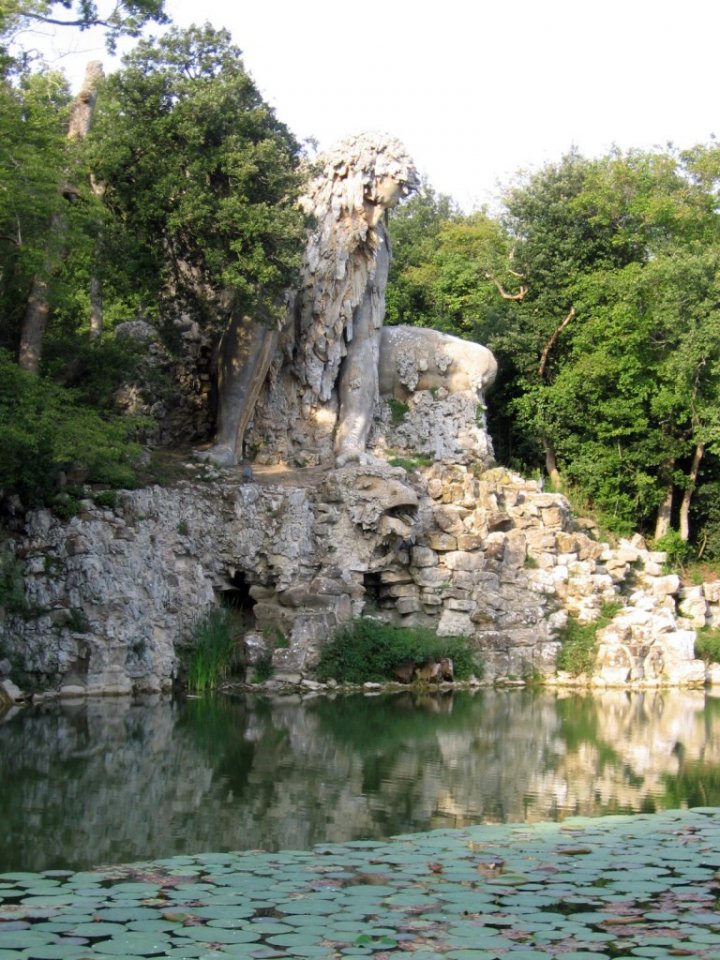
[
  {"x": 200, "y": 174},
  {"x": 597, "y": 289},
  {"x": 368, "y": 650},
  {"x": 45, "y": 432},
  {"x": 12, "y": 592}
]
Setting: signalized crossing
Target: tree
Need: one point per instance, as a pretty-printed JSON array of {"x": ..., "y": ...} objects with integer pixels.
[
  {"x": 619, "y": 379},
  {"x": 32, "y": 157},
  {"x": 38, "y": 306},
  {"x": 201, "y": 175}
]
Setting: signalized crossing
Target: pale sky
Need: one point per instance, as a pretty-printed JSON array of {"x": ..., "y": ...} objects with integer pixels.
[{"x": 476, "y": 89}]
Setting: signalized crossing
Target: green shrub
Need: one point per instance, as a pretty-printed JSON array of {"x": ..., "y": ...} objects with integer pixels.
[
  {"x": 44, "y": 430},
  {"x": 368, "y": 650},
  {"x": 707, "y": 645},
  {"x": 214, "y": 651},
  {"x": 93, "y": 368},
  {"x": 65, "y": 505},
  {"x": 678, "y": 551},
  {"x": 579, "y": 641}
]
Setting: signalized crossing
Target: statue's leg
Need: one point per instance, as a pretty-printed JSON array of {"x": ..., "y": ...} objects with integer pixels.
[
  {"x": 358, "y": 394},
  {"x": 359, "y": 376},
  {"x": 245, "y": 354}
]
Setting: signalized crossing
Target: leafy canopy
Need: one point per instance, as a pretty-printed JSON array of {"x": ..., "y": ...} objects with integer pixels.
[{"x": 200, "y": 173}]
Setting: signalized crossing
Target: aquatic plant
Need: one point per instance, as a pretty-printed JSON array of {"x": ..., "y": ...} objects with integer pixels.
[
  {"x": 612, "y": 887},
  {"x": 214, "y": 651}
]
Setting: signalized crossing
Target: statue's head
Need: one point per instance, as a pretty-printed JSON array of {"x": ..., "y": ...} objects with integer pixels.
[{"x": 367, "y": 173}]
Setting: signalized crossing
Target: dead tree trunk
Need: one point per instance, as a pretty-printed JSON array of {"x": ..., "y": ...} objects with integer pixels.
[{"x": 32, "y": 333}]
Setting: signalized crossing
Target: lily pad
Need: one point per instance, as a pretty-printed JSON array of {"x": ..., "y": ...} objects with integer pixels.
[{"x": 135, "y": 944}]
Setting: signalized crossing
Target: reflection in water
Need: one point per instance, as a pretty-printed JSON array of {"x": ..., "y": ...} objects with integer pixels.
[{"x": 107, "y": 781}]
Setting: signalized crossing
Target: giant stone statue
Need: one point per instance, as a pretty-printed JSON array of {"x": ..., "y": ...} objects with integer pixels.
[{"x": 304, "y": 391}]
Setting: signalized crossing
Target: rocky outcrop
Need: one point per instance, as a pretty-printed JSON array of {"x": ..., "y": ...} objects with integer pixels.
[{"x": 112, "y": 593}]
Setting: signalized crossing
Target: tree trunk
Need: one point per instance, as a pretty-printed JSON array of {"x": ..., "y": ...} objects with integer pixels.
[
  {"x": 550, "y": 459},
  {"x": 37, "y": 310},
  {"x": 34, "y": 324},
  {"x": 664, "y": 516},
  {"x": 32, "y": 333},
  {"x": 551, "y": 464},
  {"x": 689, "y": 490}
]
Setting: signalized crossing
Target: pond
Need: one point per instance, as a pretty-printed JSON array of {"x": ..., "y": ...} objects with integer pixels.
[{"x": 112, "y": 781}]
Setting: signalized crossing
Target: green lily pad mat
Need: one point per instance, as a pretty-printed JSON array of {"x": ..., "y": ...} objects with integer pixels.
[{"x": 585, "y": 889}]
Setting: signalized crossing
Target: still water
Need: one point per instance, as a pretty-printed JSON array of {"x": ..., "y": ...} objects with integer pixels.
[{"x": 110, "y": 781}]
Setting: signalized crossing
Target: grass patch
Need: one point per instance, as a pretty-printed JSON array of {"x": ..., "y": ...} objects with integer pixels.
[
  {"x": 214, "y": 651},
  {"x": 368, "y": 650},
  {"x": 707, "y": 644},
  {"x": 398, "y": 411},
  {"x": 698, "y": 572},
  {"x": 579, "y": 641},
  {"x": 412, "y": 463}
]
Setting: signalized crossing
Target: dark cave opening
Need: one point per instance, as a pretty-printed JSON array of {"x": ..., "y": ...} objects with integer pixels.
[{"x": 236, "y": 596}]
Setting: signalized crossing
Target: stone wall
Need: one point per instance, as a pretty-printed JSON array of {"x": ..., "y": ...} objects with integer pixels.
[{"x": 113, "y": 592}]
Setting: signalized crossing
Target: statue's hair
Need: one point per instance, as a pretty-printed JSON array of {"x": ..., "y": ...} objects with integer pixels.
[{"x": 349, "y": 170}]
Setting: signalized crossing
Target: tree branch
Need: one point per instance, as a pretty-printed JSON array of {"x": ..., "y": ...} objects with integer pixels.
[
  {"x": 551, "y": 342},
  {"x": 503, "y": 293},
  {"x": 83, "y": 24}
]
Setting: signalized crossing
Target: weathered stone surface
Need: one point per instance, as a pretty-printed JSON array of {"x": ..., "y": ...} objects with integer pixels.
[
  {"x": 711, "y": 591},
  {"x": 441, "y": 542},
  {"x": 424, "y": 557},
  {"x": 117, "y": 591},
  {"x": 664, "y": 586},
  {"x": 454, "y": 623}
]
